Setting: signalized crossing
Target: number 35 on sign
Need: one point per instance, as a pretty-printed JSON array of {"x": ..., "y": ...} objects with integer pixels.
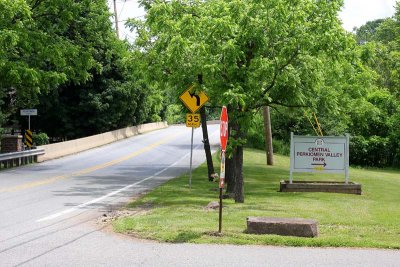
[{"x": 193, "y": 120}]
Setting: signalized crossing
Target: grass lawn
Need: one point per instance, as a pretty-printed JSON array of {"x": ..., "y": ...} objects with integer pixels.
[{"x": 175, "y": 213}]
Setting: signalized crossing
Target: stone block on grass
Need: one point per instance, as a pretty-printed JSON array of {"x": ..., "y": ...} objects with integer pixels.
[{"x": 282, "y": 226}]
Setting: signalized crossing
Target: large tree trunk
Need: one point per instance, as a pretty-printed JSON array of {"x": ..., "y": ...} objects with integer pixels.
[
  {"x": 230, "y": 170},
  {"x": 239, "y": 182},
  {"x": 268, "y": 136},
  {"x": 206, "y": 142},
  {"x": 238, "y": 164}
]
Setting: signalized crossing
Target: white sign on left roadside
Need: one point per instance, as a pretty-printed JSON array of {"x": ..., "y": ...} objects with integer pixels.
[{"x": 28, "y": 112}]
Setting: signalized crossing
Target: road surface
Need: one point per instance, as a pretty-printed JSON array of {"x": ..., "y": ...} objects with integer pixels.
[{"x": 49, "y": 212}]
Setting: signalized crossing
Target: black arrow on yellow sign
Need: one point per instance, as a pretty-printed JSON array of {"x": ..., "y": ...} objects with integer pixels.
[{"x": 192, "y": 100}]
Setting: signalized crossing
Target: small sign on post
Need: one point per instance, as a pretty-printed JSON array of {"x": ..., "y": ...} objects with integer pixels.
[
  {"x": 193, "y": 120},
  {"x": 193, "y": 101},
  {"x": 223, "y": 130},
  {"x": 29, "y": 113}
]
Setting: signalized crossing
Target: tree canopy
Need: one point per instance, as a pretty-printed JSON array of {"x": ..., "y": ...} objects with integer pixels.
[
  {"x": 247, "y": 53},
  {"x": 64, "y": 58}
]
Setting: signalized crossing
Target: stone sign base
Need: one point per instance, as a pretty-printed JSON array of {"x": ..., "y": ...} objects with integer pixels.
[
  {"x": 319, "y": 186},
  {"x": 11, "y": 143},
  {"x": 282, "y": 226}
]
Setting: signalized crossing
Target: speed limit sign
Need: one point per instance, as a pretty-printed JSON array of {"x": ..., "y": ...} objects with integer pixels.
[{"x": 193, "y": 120}]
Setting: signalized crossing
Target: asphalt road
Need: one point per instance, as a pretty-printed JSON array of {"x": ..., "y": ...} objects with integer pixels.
[{"x": 49, "y": 212}]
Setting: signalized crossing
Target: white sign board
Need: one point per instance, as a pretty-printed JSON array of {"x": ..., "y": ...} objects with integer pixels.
[
  {"x": 323, "y": 154},
  {"x": 28, "y": 112}
]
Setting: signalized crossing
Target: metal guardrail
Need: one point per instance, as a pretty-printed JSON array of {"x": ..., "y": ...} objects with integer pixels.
[{"x": 9, "y": 160}]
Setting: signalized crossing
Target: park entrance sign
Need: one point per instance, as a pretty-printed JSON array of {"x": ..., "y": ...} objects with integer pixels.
[{"x": 322, "y": 154}]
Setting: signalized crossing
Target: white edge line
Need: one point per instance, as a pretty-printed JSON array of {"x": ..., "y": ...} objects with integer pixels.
[{"x": 61, "y": 213}]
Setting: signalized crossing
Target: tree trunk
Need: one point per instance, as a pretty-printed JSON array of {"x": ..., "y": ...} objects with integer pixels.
[
  {"x": 238, "y": 164},
  {"x": 206, "y": 142},
  {"x": 229, "y": 170},
  {"x": 239, "y": 182},
  {"x": 268, "y": 136}
]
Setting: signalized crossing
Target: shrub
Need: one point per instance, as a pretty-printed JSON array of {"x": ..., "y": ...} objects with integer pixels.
[
  {"x": 40, "y": 139},
  {"x": 281, "y": 147},
  {"x": 371, "y": 151},
  {"x": 174, "y": 114}
]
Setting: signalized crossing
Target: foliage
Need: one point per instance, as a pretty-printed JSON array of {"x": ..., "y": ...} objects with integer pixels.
[
  {"x": 281, "y": 147},
  {"x": 175, "y": 114},
  {"x": 244, "y": 54},
  {"x": 255, "y": 134},
  {"x": 63, "y": 58},
  {"x": 359, "y": 95},
  {"x": 367, "y": 32},
  {"x": 40, "y": 139}
]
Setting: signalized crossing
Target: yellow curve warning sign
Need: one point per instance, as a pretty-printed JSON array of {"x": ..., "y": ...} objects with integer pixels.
[{"x": 192, "y": 100}]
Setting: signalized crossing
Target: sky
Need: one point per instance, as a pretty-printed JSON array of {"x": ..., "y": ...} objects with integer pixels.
[{"x": 354, "y": 13}]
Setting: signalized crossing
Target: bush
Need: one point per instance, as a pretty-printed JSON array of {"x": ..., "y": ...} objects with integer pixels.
[
  {"x": 256, "y": 137},
  {"x": 281, "y": 147},
  {"x": 174, "y": 114},
  {"x": 40, "y": 139},
  {"x": 255, "y": 134},
  {"x": 371, "y": 151}
]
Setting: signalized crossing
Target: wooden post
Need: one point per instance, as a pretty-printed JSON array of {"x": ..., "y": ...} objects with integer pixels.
[{"x": 268, "y": 136}]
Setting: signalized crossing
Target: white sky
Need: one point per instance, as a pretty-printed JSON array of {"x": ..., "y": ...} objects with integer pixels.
[
  {"x": 354, "y": 14},
  {"x": 357, "y": 12}
]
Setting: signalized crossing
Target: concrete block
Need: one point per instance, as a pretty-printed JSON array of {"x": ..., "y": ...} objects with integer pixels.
[
  {"x": 282, "y": 226},
  {"x": 321, "y": 186}
]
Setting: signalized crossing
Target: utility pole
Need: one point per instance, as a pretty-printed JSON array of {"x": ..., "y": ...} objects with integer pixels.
[
  {"x": 116, "y": 18},
  {"x": 268, "y": 136}
]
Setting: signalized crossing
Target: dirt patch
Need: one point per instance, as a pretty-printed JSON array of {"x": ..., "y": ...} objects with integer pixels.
[
  {"x": 110, "y": 216},
  {"x": 106, "y": 219}
]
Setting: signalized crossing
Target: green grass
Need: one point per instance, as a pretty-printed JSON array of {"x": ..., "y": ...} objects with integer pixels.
[{"x": 176, "y": 213}]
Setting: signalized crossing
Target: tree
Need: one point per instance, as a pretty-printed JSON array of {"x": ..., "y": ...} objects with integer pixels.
[
  {"x": 367, "y": 32},
  {"x": 63, "y": 57},
  {"x": 39, "y": 49},
  {"x": 250, "y": 53}
]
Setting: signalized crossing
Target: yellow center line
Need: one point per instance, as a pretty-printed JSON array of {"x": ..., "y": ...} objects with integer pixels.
[{"x": 87, "y": 170}]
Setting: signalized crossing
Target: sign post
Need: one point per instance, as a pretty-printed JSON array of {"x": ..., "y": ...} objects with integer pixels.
[
  {"x": 193, "y": 101},
  {"x": 192, "y": 120},
  {"x": 223, "y": 129},
  {"x": 29, "y": 113},
  {"x": 28, "y": 132}
]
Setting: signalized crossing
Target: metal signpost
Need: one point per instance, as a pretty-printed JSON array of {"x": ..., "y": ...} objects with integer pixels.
[
  {"x": 324, "y": 154},
  {"x": 223, "y": 130},
  {"x": 28, "y": 133},
  {"x": 193, "y": 101},
  {"x": 29, "y": 113},
  {"x": 192, "y": 120}
]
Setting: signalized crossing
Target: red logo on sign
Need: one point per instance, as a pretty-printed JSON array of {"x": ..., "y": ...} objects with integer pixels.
[{"x": 223, "y": 128}]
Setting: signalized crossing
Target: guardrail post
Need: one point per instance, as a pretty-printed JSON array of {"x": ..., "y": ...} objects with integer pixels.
[{"x": 9, "y": 160}]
